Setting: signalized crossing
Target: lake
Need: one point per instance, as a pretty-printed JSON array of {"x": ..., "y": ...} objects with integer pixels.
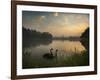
[{"x": 65, "y": 53}]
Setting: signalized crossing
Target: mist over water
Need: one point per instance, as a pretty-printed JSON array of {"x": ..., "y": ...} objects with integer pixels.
[
  {"x": 33, "y": 54},
  {"x": 54, "y": 39}
]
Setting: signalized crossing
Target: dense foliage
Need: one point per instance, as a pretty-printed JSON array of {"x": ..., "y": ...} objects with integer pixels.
[
  {"x": 85, "y": 34},
  {"x": 35, "y": 35}
]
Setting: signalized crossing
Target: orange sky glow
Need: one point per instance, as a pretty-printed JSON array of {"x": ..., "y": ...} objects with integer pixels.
[{"x": 58, "y": 24}]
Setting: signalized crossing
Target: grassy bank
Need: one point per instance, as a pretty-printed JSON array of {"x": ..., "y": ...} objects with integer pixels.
[{"x": 76, "y": 59}]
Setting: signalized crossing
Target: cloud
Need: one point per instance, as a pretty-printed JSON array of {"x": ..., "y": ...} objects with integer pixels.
[
  {"x": 58, "y": 24},
  {"x": 42, "y": 17},
  {"x": 56, "y": 14}
]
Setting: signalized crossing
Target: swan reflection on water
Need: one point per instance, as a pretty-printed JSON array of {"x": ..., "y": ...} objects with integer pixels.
[{"x": 50, "y": 55}]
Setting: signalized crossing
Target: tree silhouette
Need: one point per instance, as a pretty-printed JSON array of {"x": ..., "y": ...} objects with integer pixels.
[
  {"x": 35, "y": 35},
  {"x": 85, "y": 34}
]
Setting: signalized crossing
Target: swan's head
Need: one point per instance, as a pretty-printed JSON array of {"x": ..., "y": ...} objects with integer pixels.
[
  {"x": 56, "y": 50},
  {"x": 51, "y": 49}
]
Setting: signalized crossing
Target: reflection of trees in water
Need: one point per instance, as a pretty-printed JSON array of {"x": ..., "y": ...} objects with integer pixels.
[
  {"x": 35, "y": 43},
  {"x": 50, "y": 59},
  {"x": 35, "y": 38},
  {"x": 85, "y": 44}
]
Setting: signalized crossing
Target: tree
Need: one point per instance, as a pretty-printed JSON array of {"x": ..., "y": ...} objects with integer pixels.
[
  {"x": 29, "y": 34},
  {"x": 85, "y": 34}
]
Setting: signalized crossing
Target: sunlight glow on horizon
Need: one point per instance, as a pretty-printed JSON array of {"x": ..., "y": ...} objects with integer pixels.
[{"x": 58, "y": 24}]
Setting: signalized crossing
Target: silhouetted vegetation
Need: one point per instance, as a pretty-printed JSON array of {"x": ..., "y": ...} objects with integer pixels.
[
  {"x": 85, "y": 34},
  {"x": 73, "y": 60},
  {"x": 35, "y": 38},
  {"x": 85, "y": 39},
  {"x": 35, "y": 35},
  {"x": 78, "y": 59}
]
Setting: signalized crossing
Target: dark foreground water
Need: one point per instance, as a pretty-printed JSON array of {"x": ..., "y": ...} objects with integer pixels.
[{"x": 70, "y": 53}]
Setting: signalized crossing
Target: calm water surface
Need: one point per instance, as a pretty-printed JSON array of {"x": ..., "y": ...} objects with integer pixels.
[{"x": 33, "y": 56}]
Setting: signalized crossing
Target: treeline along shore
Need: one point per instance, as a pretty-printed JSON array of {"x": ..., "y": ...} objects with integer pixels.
[
  {"x": 36, "y": 37},
  {"x": 85, "y": 39}
]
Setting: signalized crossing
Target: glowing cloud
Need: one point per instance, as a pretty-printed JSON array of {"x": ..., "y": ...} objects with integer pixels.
[
  {"x": 55, "y": 14},
  {"x": 58, "y": 24},
  {"x": 42, "y": 17}
]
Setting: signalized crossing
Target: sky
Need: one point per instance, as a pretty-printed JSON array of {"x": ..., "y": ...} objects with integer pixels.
[{"x": 56, "y": 23}]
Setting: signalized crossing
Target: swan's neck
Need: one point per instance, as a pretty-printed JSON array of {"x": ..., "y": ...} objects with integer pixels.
[
  {"x": 51, "y": 51},
  {"x": 56, "y": 53}
]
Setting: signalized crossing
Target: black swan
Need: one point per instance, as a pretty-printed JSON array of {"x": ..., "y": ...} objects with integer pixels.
[
  {"x": 27, "y": 53},
  {"x": 50, "y": 55}
]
